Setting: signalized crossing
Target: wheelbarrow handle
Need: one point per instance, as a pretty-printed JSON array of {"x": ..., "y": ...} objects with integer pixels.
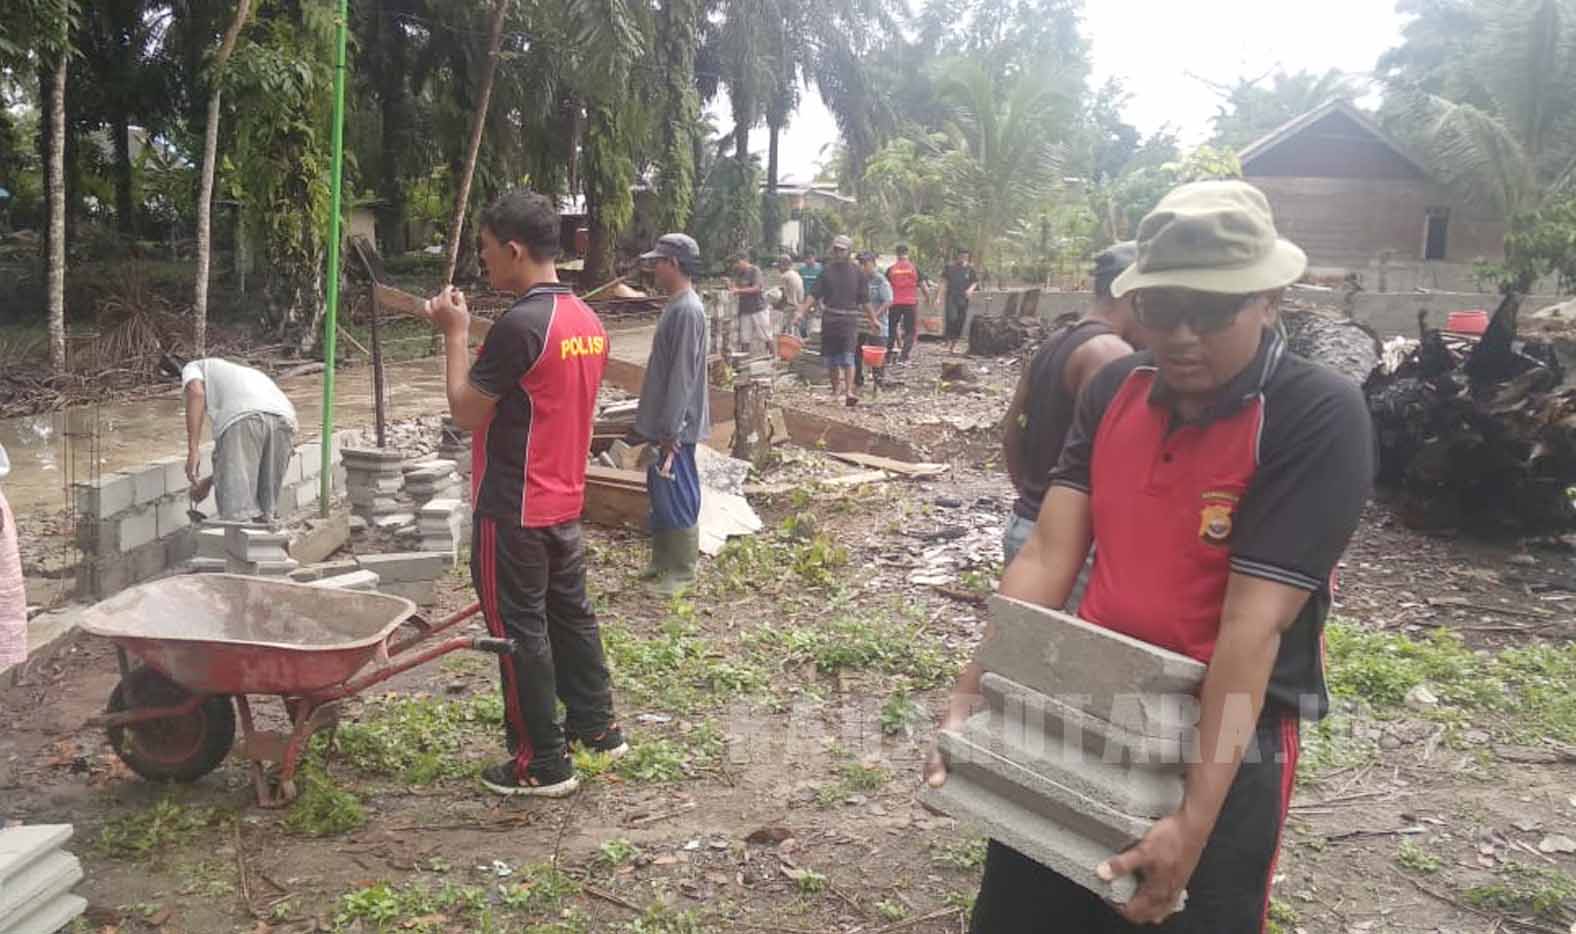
[{"x": 495, "y": 646}]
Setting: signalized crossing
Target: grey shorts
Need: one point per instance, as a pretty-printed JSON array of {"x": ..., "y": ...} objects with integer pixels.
[
  {"x": 756, "y": 327},
  {"x": 249, "y": 462}
]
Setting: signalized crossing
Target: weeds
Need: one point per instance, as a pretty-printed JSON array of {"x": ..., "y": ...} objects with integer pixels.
[
  {"x": 165, "y": 825},
  {"x": 540, "y": 888},
  {"x": 323, "y": 808},
  {"x": 663, "y": 760},
  {"x": 1527, "y": 888},
  {"x": 891, "y": 911},
  {"x": 676, "y": 670},
  {"x": 411, "y": 907},
  {"x": 660, "y": 919},
  {"x": 1413, "y": 857},
  {"x": 418, "y": 740},
  {"x": 886, "y": 645},
  {"x": 616, "y": 853},
  {"x": 900, "y": 713},
  {"x": 809, "y": 882},
  {"x": 1282, "y": 918},
  {"x": 966, "y": 856},
  {"x": 854, "y": 779}
]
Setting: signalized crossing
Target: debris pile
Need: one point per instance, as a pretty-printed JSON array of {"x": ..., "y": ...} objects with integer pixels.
[{"x": 1478, "y": 435}]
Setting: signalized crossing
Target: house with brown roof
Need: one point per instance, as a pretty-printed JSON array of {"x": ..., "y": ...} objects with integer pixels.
[{"x": 1356, "y": 201}]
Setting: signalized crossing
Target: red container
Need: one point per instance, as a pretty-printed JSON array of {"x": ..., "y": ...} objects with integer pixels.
[
  {"x": 874, "y": 356},
  {"x": 788, "y": 346},
  {"x": 1467, "y": 322}
]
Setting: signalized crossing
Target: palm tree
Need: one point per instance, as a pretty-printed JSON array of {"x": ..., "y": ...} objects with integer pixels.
[{"x": 1249, "y": 109}]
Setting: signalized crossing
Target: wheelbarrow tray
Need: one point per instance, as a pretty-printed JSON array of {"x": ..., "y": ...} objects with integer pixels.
[{"x": 230, "y": 634}]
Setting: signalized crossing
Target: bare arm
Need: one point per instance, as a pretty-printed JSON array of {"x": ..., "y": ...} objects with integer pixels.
[
  {"x": 470, "y": 407},
  {"x": 1012, "y": 430},
  {"x": 1090, "y": 358},
  {"x": 1256, "y": 613},
  {"x": 196, "y": 410}
]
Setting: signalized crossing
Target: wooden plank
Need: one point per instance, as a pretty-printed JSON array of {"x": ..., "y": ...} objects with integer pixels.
[
  {"x": 616, "y": 497},
  {"x": 856, "y": 479},
  {"x": 811, "y": 430},
  {"x": 401, "y": 302},
  {"x": 905, "y": 468}
]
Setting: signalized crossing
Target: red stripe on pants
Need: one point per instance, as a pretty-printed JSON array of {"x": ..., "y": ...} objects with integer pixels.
[
  {"x": 495, "y": 627},
  {"x": 1291, "y": 747}
]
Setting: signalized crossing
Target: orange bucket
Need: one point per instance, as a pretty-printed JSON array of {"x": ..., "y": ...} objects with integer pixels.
[
  {"x": 788, "y": 346},
  {"x": 874, "y": 356},
  {"x": 1467, "y": 322}
]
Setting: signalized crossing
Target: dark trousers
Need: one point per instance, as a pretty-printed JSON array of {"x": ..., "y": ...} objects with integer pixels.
[
  {"x": 901, "y": 318},
  {"x": 866, "y": 340},
  {"x": 1228, "y": 894},
  {"x": 675, "y": 499},
  {"x": 956, "y": 314},
  {"x": 532, "y": 585}
]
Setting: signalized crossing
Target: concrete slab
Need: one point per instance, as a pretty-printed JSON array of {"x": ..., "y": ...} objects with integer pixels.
[
  {"x": 42, "y": 881},
  {"x": 21, "y": 846},
  {"x": 1135, "y": 685},
  {"x": 393, "y": 520},
  {"x": 208, "y": 565},
  {"x": 421, "y": 593},
  {"x": 355, "y": 580},
  {"x": 210, "y": 543},
  {"x": 320, "y": 538},
  {"x": 52, "y": 916},
  {"x": 306, "y": 574},
  {"x": 407, "y": 566}
]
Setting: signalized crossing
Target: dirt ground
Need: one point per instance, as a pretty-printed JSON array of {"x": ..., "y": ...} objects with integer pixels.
[{"x": 778, "y": 714}]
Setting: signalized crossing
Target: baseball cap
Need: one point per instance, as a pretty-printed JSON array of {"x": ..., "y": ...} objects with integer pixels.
[
  {"x": 1216, "y": 237},
  {"x": 842, "y": 242},
  {"x": 674, "y": 246}
]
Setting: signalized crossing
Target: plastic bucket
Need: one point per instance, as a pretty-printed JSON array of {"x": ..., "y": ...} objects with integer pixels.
[
  {"x": 1467, "y": 322},
  {"x": 873, "y": 356},
  {"x": 788, "y": 346}
]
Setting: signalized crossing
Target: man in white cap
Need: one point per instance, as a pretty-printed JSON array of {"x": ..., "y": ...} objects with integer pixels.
[
  {"x": 844, "y": 295},
  {"x": 1219, "y": 478}
]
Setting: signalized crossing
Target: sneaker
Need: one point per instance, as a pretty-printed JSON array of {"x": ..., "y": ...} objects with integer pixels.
[
  {"x": 551, "y": 778},
  {"x": 609, "y": 742}
]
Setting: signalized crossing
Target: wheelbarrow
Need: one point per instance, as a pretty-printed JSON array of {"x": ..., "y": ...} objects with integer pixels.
[{"x": 207, "y": 642}]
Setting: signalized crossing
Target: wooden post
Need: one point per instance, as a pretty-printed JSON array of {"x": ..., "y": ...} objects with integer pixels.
[
  {"x": 752, "y": 426},
  {"x": 377, "y": 374}
]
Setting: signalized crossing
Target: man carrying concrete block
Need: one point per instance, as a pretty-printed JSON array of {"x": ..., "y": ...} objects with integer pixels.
[
  {"x": 254, "y": 429},
  {"x": 1219, "y": 478}
]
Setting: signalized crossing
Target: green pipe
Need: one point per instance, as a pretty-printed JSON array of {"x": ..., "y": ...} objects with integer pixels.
[{"x": 331, "y": 319}]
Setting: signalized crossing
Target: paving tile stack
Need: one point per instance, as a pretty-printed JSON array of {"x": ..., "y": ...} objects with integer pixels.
[
  {"x": 36, "y": 878},
  {"x": 374, "y": 478},
  {"x": 429, "y": 480},
  {"x": 1081, "y": 746}
]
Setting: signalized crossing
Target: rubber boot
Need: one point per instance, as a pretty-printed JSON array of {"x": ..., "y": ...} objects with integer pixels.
[
  {"x": 681, "y": 551},
  {"x": 658, "y": 564}
]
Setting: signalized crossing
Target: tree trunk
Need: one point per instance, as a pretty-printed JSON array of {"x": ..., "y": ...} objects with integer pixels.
[
  {"x": 741, "y": 142},
  {"x": 56, "y": 274},
  {"x": 391, "y": 95},
  {"x": 599, "y": 255},
  {"x": 462, "y": 195},
  {"x": 771, "y": 220},
  {"x": 210, "y": 155},
  {"x": 572, "y": 156},
  {"x": 125, "y": 220}
]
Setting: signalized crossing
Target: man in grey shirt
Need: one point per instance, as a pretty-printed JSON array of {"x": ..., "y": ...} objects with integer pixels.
[
  {"x": 254, "y": 429},
  {"x": 674, "y": 416}
]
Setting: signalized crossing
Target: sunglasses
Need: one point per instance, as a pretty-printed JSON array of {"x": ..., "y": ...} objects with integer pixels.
[{"x": 1205, "y": 313}]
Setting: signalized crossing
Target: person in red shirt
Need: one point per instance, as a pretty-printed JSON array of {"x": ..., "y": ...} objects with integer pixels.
[
  {"x": 907, "y": 282},
  {"x": 529, "y": 399},
  {"x": 1220, "y": 478}
]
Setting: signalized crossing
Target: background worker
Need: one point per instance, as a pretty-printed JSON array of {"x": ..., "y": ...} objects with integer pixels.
[
  {"x": 809, "y": 271},
  {"x": 755, "y": 322},
  {"x": 907, "y": 282},
  {"x": 674, "y": 415},
  {"x": 791, "y": 291},
  {"x": 254, "y": 429},
  {"x": 529, "y": 400},
  {"x": 873, "y": 327},
  {"x": 13, "y": 598},
  {"x": 844, "y": 298},
  {"x": 1220, "y": 478},
  {"x": 1042, "y": 407},
  {"x": 958, "y": 282}
]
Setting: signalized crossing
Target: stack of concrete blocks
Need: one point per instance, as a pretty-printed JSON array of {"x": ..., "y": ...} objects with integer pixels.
[
  {"x": 409, "y": 574},
  {"x": 303, "y": 486},
  {"x": 374, "y": 479},
  {"x": 258, "y": 552},
  {"x": 132, "y": 524},
  {"x": 454, "y": 444},
  {"x": 1082, "y": 744},
  {"x": 429, "y": 480},
  {"x": 36, "y": 877},
  {"x": 442, "y": 523}
]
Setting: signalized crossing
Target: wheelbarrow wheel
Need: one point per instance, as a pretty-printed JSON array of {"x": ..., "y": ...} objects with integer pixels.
[{"x": 170, "y": 749}]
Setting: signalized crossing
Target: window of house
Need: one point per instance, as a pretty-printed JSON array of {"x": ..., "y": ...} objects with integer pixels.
[{"x": 1436, "y": 236}]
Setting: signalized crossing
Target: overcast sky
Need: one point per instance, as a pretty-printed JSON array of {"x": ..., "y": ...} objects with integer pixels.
[{"x": 1155, "y": 45}]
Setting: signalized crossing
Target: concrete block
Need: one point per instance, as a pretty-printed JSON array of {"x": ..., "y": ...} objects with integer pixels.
[
  {"x": 52, "y": 916},
  {"x": 307, "y": 573},
  {"x": 208, "y": 565},
  {"x": 358, "y": 524},
  {"x": 180, "y": 547},
  {"x": 309, "y": 493},
  {"x": 41, "y": 882},
  {"x": 260, "y": 568},
  {"x": 21, "y": 846},
  {"x": 394, "y": 520},
  {"x": 320, "y": 538},
  {"x": 442, "y": 508},
  {"x": 174, "y": 474},
  {"x": 171, "y": 515},
  {"x": 1131, "y": 683},
  {"x": 288, "y": 503},
  {"x": 210, "y": 543},
  {"x": 110, "y": 494},
  {"x": 293, "y": 469},
  {"x": 135, "y": 527},
  {"x": 244, "y": 544},
  {"x": 100, "y": 577},
  {"x": 355, "y": 580},
  {"x": 148, "y": 560},
  {"x": 421, "y": 593},
  {"x": 148, "y": 483},
  {"x": 407, "y": 566},
  {"x": 429, "y": 470}
]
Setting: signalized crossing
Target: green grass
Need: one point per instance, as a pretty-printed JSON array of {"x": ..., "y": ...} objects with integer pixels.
[
  {"x": 615, "y": 853},
  {"x": 678, "y": 669},
  {"x": 163, "y": 826},
  {"x": 323, "y": 809},
  {"x": 1529, "y": 687},
  {"x": 901, "y": 714},
  {"x": 1415, "y": 858},
  {"x": 538, "y": 889},
  {"x": 883, "y": 644},
  {"x": 1282, "y": 919},
  {"x": 853, "y": 778},
  {"x": 1521, "y": 888},
  {"x": 964, "y": 856},
  {"x": 660, "y": 919},
  {"x": 671, "y": 760},
  {"x": 748, "y": 564},
  {"x": 417, "y": 740},
  {"x": 414, "y": 906}
]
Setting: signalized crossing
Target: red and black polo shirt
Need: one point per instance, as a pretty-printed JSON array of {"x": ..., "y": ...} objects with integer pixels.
[
  {"x": 1270, "y": 482},
  {"x": 542, "y": 361}
]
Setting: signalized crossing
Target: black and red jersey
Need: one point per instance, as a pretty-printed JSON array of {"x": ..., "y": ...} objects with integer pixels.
[
  {"x": 542, "y": 361},
  {"x": 1270, "y": 483}
]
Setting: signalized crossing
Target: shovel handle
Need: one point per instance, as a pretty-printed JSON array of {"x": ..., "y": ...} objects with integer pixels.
[{"x": 495, "y": 646}]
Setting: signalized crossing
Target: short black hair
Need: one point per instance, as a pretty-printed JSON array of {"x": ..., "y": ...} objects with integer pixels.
[
  {"x": 1110, "y": 263},
  {"x": 528, "y": 218},
  {"x": 902, "y": 249}
]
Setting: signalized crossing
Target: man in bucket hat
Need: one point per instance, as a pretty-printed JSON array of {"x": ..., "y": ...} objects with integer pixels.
[{"x": 1219, "y": 478}]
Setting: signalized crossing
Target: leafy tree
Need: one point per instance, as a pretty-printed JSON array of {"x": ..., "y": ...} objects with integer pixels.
[
  {"x": 1254, "y": 107},
  {"x": 1124, "y": 202}
]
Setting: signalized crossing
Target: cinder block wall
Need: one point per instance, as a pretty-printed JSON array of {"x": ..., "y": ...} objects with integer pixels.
[{"x": 132, "y": 524}]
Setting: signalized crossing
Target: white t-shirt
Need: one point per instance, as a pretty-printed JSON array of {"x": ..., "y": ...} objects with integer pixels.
[{"x": 234, "y": 391}]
